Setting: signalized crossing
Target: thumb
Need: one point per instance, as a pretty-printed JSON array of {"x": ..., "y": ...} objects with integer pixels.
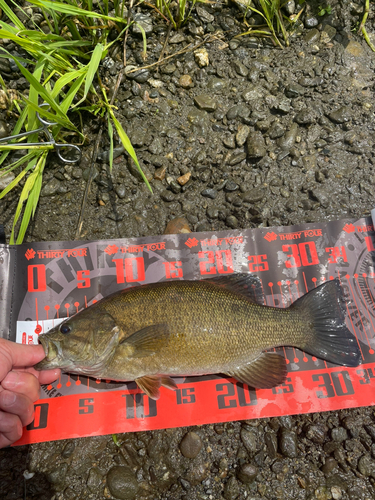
[{"x": 14, "y": 355}]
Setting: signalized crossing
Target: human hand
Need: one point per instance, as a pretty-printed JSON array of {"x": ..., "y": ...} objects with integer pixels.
[{"x": 19, "y": 387}]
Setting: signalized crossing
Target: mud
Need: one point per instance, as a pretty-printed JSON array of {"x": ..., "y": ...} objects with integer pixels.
[{"x": 241, "y": 134}]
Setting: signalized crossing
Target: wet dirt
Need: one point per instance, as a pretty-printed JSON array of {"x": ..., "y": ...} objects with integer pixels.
[{"x": 241, "y": 134}]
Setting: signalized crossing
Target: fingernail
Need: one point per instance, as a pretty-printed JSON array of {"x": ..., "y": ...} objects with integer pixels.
[
  {"x": 8, "y": 398},
  {"x": 11, "y": 380}
]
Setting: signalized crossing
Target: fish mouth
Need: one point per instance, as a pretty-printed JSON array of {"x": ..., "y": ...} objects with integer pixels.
[{"x": 51, "y": 351}]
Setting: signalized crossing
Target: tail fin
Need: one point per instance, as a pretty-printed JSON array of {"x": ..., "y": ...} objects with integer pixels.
[{"x": 327, "y": 336}]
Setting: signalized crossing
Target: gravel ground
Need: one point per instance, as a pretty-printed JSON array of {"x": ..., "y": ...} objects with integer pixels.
[{"x": 237, "y": 134}]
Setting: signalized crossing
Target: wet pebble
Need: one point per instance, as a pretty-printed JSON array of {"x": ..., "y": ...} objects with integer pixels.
[
  {"x": 289, "y": 139},
  {"x": 52, "y": 187},
  {"x": 305, "y": 117},
  {"x": 276, "y": 130},
  {"x": 168, "y": 69},
  {"x": 254, "y": 195},
  {"x": 282, "y": 106},
  {"x": 249, "y": 439},
  {"x": 191, "y": 445},
  {"x": 212, "y": 212},
  {"x": 167, "y": 196},
  {"x": 173, "y": 185},
  {"x": 156, "y": 146},
  {"x": 237, "y": 158},
  {"x": 5, "y": 66},
  {"x": 3, "y": 129},
  {"x": 122, "y": 483},
  {"x": 366, "y": 466},
  {"x": 240, "y": 68},
  {"x": 329, "y": 465},
  {"x": 178, "y": 225},
  {"x": 289, "y": 7},
  {"x": 328, "y": 34},
  {"x": 140, "y": 76},
  {"x": 288, "y": 443},
  {"x": 120, "y": 191},
  {"x": 230, "y": 186},
  {"x": 247, "y": 473},
  {"x": 68, "y": 449},
  {"x": 7, "y": 179},
  {"x": 232, "y": 221},
  {"x": 270, "y": 439},
  {"x": 339, "y": 434},
  {"x": 13, "y": 66},
  {"x": 216, "y": 84},
  {"x": 231, "y": 489},
  {"x": 256, "y": 146},
  {"x": 205, "y": 16},
  {"x": 77, "y": 173},
  {"x": 340, "y": 115},
  {"x": 205, "y": 102},
  {"x": 177, "y": 38},
  {"x": 229, "y": 142},
  {"x": 293, "y": 90},
  {"x": 311, "y": 21},
  {"x": 307, "y": 81},
  {"x": 57, "y": 475},
  {"x": 160, "y": 173},
  {"x": 201, "y": 57},
  {"x": 143, "y": 21},
  {"x": 185, "y": 81},
  {"x": 233, "y": 112},
  {"x": 94, "y": 480},
  {"x": 183, "y": 179},
  {"x": 203, "y": 226},
  {"x": 316, "y": 433},
  {"x": 242, "y": 135},
  {"x": 209, "y": 193}
]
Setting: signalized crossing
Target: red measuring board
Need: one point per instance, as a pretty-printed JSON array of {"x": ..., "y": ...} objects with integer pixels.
[{"x": 61, "y": 278}]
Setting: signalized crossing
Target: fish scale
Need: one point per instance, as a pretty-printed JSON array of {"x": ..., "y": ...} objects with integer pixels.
[{"x": 184, "y": 328}]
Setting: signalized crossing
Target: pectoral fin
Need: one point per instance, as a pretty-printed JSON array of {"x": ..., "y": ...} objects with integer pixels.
[
  {"x": 267, "y": 371},
  {"x": 151, "y": 384},
  {"x": 147, "y": 341}
]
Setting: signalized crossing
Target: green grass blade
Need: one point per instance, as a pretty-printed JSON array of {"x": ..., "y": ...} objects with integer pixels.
[
  {"x": 144, "y": 40},
  {"x": 14, "y": 182},
  {"x": 33, "y": 197},
  {"x": 33, "y": 97},
  {"x": 63, "y": 120},
  {"x": 110, "y": 133},
  {"x": 17, "y": 128},
  {"x": 66, "y": 103},
  {"x": 65, "y": 80},
  {"x": 24, "y": 195},
  {"x": 12, "y": 16},
  {"x": 92, "y": 68},
  {"x": 16, "y": 164},
  {"x": 128, "y": 146},
  {"x": 73, "y": 11},
  {"x": 39, "y": 88}
]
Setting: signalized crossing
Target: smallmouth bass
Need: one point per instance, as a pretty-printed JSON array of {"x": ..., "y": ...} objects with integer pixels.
[{"x": 151, "y": 333}]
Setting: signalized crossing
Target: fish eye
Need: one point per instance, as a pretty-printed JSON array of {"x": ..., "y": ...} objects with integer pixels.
[{"x": 64, "y": 328}]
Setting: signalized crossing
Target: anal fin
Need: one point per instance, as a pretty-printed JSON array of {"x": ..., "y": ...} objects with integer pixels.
[
  {"x": 265, "y": 372},
  {"x": 168, "y": 382}
]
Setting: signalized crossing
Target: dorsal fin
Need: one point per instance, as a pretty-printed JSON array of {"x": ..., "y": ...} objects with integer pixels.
[{"x": 245, "y": 284}]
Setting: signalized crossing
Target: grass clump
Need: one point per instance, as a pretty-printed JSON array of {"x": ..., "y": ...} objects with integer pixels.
[
  {"x": 64, "y": 74},
  {"x": 177, "y": 13}
]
